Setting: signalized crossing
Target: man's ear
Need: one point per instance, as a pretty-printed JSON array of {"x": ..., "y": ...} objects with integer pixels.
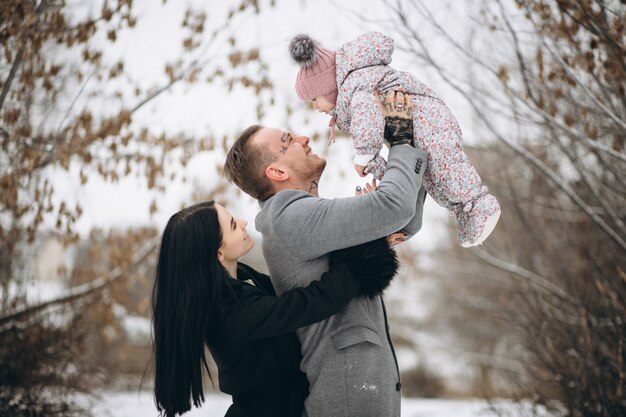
[
  {"x": 220, "y": 256},
  {"x": 276, "y": 173}
]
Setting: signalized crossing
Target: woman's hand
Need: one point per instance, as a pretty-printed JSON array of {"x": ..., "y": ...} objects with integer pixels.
[
  {"x": 395, "y": 239},
  {"x": 369, "y": 187}
]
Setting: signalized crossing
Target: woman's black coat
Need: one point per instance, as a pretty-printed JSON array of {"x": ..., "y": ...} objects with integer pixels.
[{"x": 255, "y": 348}]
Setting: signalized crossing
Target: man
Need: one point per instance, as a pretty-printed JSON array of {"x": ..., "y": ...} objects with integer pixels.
[{"x": 348, "y": 358}]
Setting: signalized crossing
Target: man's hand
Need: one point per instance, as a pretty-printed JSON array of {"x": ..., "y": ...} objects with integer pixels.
[
  {"x": 398, "y": 112},
  {"x": 397, "y": 104}
]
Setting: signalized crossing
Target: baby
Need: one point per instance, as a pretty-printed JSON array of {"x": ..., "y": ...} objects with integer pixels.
[{"x": 341, "y": 84}]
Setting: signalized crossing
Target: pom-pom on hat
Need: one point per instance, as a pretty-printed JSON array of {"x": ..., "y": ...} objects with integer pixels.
[{"x": 317, "y": 75}]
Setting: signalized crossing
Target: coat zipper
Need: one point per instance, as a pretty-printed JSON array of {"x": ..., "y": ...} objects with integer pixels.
[{"x": 393, "y": 351}]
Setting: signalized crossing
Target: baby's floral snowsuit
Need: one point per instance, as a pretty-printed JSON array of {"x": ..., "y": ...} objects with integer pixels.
[{"x": 450, "y": 179}]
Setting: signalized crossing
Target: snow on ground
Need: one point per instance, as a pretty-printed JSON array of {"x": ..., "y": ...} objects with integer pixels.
[
  {"x": 134, "y": 404},
  {"x": 136, "y": 328}
]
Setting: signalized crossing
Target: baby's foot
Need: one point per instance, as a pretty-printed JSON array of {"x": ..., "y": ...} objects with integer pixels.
[{"x": 476, "y": 220}]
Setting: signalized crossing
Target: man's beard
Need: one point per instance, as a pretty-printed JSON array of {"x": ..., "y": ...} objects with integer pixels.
[
  {"x": 317, "y": 174},
  {"x": 320, "y": 170},
  {"x": 312, "y": 171}
]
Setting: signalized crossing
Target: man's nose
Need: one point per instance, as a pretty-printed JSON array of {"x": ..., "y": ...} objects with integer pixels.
[
  {"x": 303, "y": 140},
  {"x": 243, "y": 223}
]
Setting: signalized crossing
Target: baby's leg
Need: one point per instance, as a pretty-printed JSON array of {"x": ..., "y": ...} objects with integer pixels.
[{"x": 450, "y": 178}]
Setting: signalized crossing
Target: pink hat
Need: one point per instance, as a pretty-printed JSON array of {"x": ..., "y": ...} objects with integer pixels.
[{"x": 317, "y": 75}]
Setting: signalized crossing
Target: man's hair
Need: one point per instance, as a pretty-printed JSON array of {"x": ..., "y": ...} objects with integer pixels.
[{"x": 245, "y": 165}]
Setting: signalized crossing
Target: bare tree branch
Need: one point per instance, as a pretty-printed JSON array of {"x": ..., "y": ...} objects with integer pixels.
[
  {"x": 521, "y": 150},
  {"x": 521, "y": 272},
  {"x": 583, "y": 87},
  {"x": 491, "y": 360},
  {"x": 7, "y": 84},
  {"x": 17, "y": 62},
  {"x": 74, "y": 293}
]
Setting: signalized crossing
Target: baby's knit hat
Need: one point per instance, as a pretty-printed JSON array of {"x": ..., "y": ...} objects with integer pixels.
[{"x": 317, "y": 75}]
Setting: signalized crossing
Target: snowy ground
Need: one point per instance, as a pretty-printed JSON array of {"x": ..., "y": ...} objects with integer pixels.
[{"x": 133, "y": 404}]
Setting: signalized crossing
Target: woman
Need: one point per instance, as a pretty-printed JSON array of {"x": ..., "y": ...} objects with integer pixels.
[{"x": 202, "y": 298}]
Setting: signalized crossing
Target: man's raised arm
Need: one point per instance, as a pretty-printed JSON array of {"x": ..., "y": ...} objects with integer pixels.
[
  {"x": 415, "y": 224},
  {"x": 314, "y": 226}
]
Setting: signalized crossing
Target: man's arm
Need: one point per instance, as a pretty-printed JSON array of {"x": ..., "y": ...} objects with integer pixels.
[
  {"x": 312, "y": 227},
  {"x": 415, "y": 224}
]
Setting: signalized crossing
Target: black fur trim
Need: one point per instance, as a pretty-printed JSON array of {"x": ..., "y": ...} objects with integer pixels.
[
  {"x": 374, "y": 264},
  {"x": 303, "y": 50}
]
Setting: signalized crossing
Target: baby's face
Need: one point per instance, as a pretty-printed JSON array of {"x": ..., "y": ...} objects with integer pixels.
[{"x": 322, "y": 105}]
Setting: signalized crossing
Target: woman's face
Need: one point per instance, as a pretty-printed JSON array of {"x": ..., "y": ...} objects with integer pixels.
[
  {"x": 322, "y": 105},
  {"x": 235, "y": 239}
]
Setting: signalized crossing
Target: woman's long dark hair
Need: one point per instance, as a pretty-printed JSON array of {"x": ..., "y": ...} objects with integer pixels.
[{"x": 186, "y": 300}]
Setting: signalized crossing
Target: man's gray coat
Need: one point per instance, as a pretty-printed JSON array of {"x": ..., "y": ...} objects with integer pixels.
[{"x": 348, "y": 358}]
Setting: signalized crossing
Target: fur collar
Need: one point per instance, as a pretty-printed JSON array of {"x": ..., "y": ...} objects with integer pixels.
[{"x": 374, "y": 264}]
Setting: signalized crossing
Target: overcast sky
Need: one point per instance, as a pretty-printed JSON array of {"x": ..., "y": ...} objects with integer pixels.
[{"x": 200, "y": 108}]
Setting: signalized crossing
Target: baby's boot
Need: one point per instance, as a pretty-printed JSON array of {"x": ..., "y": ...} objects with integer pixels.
[{"x": 476, "y": 220}]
